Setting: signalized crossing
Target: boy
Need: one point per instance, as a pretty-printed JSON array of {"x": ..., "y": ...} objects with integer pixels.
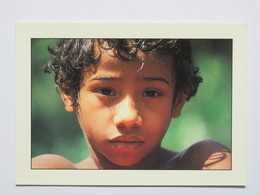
[{"x": 124, "y": 93}]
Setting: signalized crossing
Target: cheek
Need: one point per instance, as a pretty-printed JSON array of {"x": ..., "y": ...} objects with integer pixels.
[
  {"x": 94, "y": 121},
  {"x": 93, "y": 131},
  {"x": 161, "y": 108},
  {"x": 158, "y": 118}
]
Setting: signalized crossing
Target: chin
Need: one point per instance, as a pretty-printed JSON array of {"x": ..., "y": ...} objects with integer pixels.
[{"x": 126, "y": 163}]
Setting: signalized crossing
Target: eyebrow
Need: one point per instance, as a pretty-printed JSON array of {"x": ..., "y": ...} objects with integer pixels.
[
  {"x": 108, "y": 78},
  {"x": 156, "y": 79},
  {"x": 111, "y": 78}
]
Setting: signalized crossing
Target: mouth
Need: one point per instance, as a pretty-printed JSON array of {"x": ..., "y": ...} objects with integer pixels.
[{"x": 126, "y": 143}]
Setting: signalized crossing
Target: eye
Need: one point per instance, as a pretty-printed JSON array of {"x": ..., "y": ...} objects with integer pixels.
[
  {"x": 152, "y": 93},
  {"x": 104, "y": 91}
]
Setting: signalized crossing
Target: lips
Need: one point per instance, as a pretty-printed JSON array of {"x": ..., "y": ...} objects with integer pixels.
[
  {"x": 127, "y": 138},
  {"x": 126, "y": 143}
]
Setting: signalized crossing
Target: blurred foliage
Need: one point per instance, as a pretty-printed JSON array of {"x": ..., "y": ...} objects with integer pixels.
[{"x": 205, "y": 116}]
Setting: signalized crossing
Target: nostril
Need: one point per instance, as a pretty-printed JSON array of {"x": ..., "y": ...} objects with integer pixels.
[
  {"x": 127, "y": 114},
  {"x": 128, "y": 120}
]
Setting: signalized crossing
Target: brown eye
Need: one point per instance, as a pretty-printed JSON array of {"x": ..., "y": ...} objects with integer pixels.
[
  {"x": 152, "y": 93},
  {"x": 105, "y": 91}
]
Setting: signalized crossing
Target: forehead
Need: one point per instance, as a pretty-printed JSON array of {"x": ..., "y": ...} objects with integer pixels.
[{"x": 144, "y": 62}]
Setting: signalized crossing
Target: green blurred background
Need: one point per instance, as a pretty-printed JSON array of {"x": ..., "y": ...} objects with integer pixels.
[{"x": 205, "y": 116}]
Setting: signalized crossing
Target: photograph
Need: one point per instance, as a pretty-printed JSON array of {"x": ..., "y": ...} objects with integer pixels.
[{"x": 131, "y": 103}]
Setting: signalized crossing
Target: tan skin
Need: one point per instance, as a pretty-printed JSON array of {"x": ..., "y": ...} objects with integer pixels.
[{"x": 124, "y": 113}]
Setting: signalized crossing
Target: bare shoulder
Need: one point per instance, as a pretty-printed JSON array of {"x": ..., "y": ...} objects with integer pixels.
[
  {"x": 205, "y": 155},
  {"x": 51, "y": 161},
  {"x": 218, "y": 160}
]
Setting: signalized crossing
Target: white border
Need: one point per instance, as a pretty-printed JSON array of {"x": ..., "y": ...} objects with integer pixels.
[{"x": 26, "y": 176}]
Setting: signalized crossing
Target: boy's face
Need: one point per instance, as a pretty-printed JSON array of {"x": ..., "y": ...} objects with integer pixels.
[{"x": 124, "y": 113}]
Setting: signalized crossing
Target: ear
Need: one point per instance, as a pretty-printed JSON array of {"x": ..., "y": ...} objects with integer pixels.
[
  {"x": 178, "y": 104},
  {"x": 67, "y": 101}
]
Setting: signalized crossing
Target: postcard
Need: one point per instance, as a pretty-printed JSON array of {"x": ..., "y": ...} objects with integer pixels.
[{"x": 131, "y": 104}]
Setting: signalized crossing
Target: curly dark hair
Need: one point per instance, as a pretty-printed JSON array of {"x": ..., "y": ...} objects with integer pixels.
[{"x": 72, "y": 57}]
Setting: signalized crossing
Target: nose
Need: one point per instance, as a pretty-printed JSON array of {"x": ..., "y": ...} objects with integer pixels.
[{"x": 127, "y": 115}]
